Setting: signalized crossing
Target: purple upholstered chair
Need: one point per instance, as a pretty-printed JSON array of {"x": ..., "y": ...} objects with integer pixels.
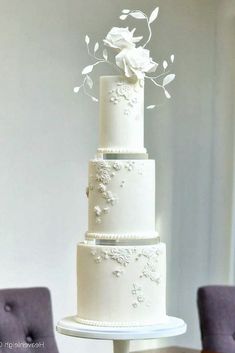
[
  {"x": 216, "y": 306},
  {"x": 26, "y": 321}
]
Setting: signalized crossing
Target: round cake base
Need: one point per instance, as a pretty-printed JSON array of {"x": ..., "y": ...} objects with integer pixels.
[{"x": 122, "y": 335}]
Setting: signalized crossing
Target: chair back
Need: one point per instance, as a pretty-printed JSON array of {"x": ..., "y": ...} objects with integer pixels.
[
  {"x": 26, "y": 321},
  {"x": 216, "y": 307}
]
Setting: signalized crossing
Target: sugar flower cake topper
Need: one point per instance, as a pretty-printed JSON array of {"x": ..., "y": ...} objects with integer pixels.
[{"x": 132, "y": 59}]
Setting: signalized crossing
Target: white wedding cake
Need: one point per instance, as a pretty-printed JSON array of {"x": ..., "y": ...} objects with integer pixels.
[{"x": 121, "y": 265}]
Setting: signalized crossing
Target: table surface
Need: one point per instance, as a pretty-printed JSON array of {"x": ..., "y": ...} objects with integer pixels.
[{"x": 174, "y": 350}]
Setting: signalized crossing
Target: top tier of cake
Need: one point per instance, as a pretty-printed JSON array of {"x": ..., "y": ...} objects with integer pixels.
[{"x": 121, "y": 123}]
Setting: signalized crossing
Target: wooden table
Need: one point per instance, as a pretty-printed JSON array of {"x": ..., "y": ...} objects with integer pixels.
[{"x": 174, "y": 350}]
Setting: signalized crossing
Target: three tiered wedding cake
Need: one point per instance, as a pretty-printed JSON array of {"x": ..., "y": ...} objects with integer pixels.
[{"x": 121, "y": 265}]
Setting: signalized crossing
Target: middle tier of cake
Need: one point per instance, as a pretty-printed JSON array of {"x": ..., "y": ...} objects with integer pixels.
[{"x": 121, "y": 196}]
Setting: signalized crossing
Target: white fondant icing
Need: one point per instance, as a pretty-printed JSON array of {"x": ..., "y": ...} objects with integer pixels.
[
  {"x": 119, "y": 191},
  {"x": 121, "y": 115},
  {"x": 121, "y": 285}
]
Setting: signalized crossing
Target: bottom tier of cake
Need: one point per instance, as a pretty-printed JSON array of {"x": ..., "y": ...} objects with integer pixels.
[{"x": 121, "y": 285}]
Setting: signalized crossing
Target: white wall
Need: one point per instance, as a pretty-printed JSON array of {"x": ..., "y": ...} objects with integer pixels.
[{"x": 48, "y": 134}]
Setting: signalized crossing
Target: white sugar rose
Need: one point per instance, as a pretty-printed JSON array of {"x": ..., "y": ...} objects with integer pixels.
[
  {"x": 135, "y": 62},
  {"x": 120, "y": 38}
]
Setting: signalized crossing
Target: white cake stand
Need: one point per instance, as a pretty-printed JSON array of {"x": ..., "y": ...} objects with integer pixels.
[{"x": 121, "y": 336}]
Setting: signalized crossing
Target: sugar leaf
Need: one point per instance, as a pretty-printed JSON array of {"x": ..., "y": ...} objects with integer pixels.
[
  {"x": 151, "y": 106},
  {"x": 172, "y": 58},
  {"x": 96, "y": 47},
  {"x": 125, "y": 11},
  {"x": 87, "y": 39},
  {"x": 165, "y": 64},
  {"x": 87, "y": 69},
  {"x": 137, "y": 14},
  {"x": 168, "y": 96},
  {"x": 105, "y": 54},
  {"x": 154, "y": 15},
  {"x": 168, "y": 79},
  {"x": 89, "y": 82},
  {"x": 123, "y": 17},
  {"x": 76, "y": 89}
]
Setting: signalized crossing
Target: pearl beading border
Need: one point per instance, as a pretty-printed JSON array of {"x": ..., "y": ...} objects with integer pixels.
[
  {"x": 110, "y": 236},
  {"x": 117, "y": 323},
  {"x": 120, "y": 150}
]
